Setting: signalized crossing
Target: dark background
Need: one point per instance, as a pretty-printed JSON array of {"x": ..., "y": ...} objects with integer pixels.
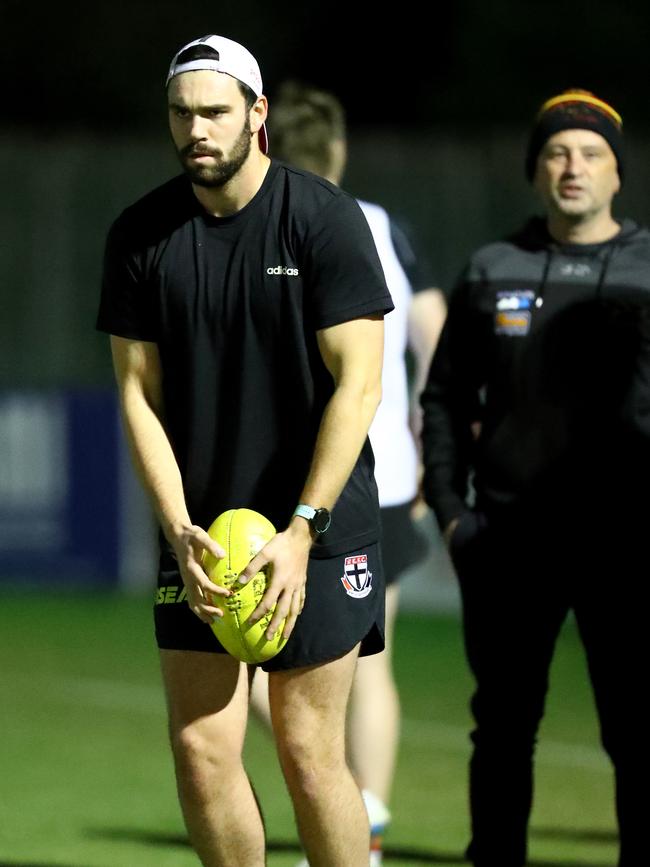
[
  {"x": 439, "y": 99},
  {"x": 100, "y": 65}
]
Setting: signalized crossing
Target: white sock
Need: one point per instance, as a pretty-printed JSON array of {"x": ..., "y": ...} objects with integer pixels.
[{"x": 378, "y": 812}]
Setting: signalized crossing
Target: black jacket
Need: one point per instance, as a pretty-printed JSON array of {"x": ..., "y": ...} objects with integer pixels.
[{"x": 539, "y": 391}]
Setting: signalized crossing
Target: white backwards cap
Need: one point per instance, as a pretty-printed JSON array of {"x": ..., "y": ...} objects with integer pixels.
[{"x": 221, "y": 55}]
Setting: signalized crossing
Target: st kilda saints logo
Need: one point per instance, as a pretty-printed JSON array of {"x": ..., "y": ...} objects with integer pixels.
[{"x": 356, "y": 579}]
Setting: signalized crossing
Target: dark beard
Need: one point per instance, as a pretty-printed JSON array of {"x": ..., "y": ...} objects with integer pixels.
[{"x": 219, "y": 174}]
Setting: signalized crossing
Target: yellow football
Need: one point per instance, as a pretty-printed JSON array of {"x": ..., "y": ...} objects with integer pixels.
[{"x": 242, "y": 533}]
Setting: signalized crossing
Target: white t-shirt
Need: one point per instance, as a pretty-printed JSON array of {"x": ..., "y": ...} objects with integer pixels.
[{"x": 390, "y": 435}]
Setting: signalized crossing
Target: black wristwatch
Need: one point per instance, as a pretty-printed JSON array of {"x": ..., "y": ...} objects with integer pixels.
[{"x": 320, "y": 519}]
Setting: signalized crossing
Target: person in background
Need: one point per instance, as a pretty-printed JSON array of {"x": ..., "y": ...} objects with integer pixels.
[
  {"x": 307, "y": 129},
  {"x": 247, "y": 379},
  {"x": 539, "y": 392}
]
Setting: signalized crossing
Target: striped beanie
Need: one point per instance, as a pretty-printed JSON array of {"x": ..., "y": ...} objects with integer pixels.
[{"x": 575, "y": 109}]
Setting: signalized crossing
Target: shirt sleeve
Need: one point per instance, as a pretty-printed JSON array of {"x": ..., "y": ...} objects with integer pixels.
[
  {"x": 413, "y": 261},
  {"x": 450, "y": 403},
  {"x": 345, "y": 277},
  {"x": 125, "y": 307}
]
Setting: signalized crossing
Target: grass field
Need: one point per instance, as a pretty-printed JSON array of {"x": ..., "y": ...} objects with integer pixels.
[{"x": 86, "y": 778}]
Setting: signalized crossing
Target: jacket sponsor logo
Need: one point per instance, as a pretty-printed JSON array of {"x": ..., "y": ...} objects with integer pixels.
[
  {"x": 283, "y": 270},
  {"x": 513, "y": 324},
  {"x": 575, "y": 269},
  {"x": 523, "y": 300},
  {"x": 356, "y": 578},
  {"x": 513, "y": 312}
]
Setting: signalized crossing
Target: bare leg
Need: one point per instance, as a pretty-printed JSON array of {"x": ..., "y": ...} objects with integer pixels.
[
  {"x": 308, "y": 708},
  {"x": 374, "y": 719},
  {"x": 259, "y": 703},
  {"x": 207, "y": 698}
]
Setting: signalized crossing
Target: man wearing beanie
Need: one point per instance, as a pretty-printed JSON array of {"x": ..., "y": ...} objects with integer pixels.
[{"x": 539, "y": 393}]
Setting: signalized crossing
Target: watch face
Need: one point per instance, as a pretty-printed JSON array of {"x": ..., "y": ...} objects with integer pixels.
[{"x": 321, "y": 520}]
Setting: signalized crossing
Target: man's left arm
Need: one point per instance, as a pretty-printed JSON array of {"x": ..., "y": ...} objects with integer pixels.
[{"x": 353, "y": 354}]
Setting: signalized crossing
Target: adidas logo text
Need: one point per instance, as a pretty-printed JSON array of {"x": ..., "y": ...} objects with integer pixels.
[{"x": 282, "y": 269}]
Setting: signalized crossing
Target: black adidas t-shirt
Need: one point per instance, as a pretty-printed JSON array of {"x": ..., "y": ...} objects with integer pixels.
[{"x": 234, "y": 304}]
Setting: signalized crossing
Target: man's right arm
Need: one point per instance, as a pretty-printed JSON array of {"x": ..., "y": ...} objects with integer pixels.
[
  {"x": 450, "y": 406},
  {"x": 139, "y": 378}
]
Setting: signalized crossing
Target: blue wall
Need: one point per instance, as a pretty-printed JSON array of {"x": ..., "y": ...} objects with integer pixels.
[{"x": 60, "y": 476}]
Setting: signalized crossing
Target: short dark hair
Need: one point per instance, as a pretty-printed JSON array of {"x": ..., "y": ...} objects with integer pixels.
[
  {"x": 303, "y": 123},
  {"x": 247, "y": 93}
]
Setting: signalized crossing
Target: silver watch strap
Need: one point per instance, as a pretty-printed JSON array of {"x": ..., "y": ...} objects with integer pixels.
[{"x": 303, "y": 511}]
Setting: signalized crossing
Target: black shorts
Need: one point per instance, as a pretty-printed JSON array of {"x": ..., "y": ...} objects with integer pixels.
[
  {"x": 402, "y": 544},
  {"x": 344, "y": 606}
]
